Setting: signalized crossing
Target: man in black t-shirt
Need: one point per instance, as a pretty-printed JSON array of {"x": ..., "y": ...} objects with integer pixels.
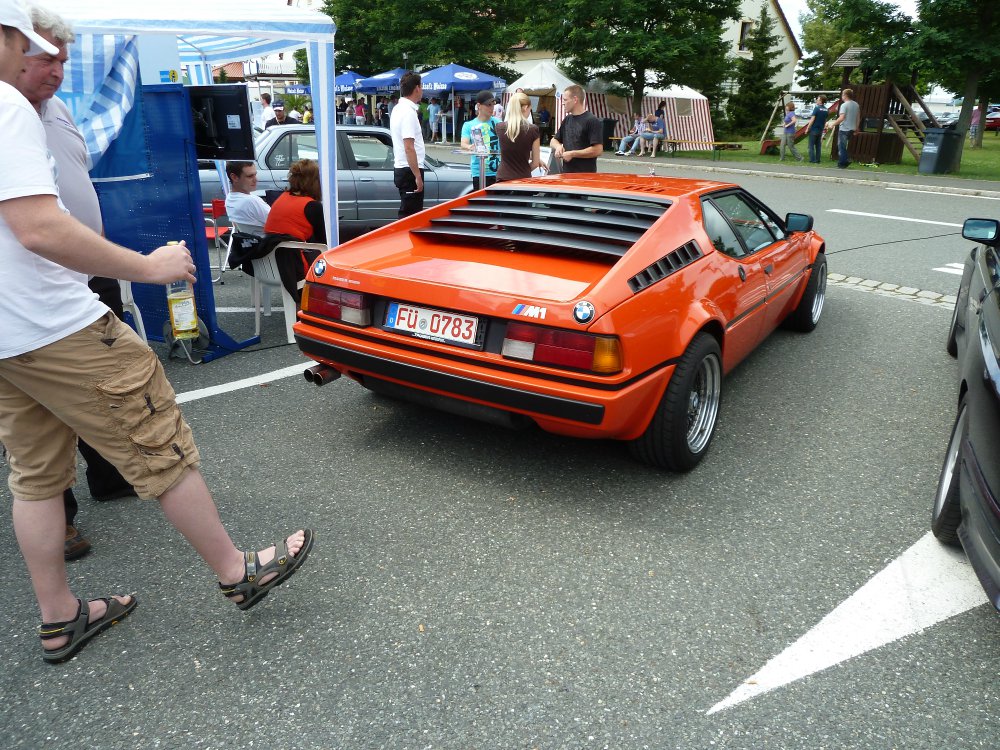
[{"x": 580, "y": 138}]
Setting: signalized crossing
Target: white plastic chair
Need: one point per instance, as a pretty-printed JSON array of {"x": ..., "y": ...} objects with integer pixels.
[
  {"x": 129, "y": 305},
  {"x": 266, "y": 277},
  {"x": 259, "y": 231}
]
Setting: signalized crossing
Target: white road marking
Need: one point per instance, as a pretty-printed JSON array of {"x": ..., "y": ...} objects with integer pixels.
[
  {"x": 925, "y": 585},
  {"x": 237, "y": 310},
  {"x": 956, "y": 268},
  {"x": 937, "y": 193},
  {"x": 267, "y": 377},
  {"x": 896, "y": 218}
]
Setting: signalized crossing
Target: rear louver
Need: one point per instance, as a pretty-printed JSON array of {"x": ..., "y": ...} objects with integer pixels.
[
  {"x": 668, "y": 264},
  {"x": 549, "y": 221}
]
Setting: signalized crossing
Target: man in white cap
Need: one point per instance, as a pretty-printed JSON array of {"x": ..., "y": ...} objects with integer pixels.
[
  {"x": 41, "y": 78},
  {"x": 69, "y": 367}
]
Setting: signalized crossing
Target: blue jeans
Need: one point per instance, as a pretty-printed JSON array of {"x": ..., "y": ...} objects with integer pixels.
[
  {"x": 845, "y": 136},
  {"x": 815, "y": 146}
]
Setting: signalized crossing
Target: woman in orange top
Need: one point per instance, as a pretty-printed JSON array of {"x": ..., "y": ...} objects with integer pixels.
[{"x": 298, "y": 211}]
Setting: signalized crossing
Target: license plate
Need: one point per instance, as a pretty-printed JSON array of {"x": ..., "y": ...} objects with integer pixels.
[{"x": 435, "y": 325}]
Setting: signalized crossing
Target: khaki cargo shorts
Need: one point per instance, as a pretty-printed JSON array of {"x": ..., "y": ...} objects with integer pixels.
[{"x": 105, "y": 385}]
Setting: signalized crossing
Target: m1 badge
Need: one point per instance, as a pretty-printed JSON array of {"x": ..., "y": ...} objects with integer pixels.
[
  {"x": 583, "y": 312},
  {"x": 320, "y": 267}
]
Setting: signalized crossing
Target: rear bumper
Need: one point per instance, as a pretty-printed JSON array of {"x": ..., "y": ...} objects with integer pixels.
[
  {"x": 455, "y": 385},
  {"x": 562, "y": 405}
]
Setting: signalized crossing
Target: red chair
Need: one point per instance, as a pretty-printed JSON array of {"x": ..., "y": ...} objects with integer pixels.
[{"x": 218, "y": 231}]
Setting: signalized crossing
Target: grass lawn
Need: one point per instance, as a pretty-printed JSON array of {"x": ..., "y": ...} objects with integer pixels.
[{"x": 977, "y": 163}]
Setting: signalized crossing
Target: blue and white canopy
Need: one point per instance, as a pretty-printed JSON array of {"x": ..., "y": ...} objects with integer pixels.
[
  {"x": 103, "y": 63},
  {"x": 345, "y": 82},
  {"x": 454, "y": 77},
  {"x": 381, "y": 83}
]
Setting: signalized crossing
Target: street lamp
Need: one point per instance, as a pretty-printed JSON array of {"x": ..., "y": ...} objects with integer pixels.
[{"x": 405, "y": 55}]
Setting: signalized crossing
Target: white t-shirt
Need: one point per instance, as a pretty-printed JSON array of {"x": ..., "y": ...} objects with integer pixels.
[
  {"x": 67, "y": 146},
  {"x": 41, "y": 302},
  {"x": 246, "y": 209},
  {"x": 403, "y": 124},
  {"x": 266, "y": 115}
]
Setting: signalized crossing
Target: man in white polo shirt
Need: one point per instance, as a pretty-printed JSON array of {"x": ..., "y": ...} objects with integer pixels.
[{"x": 408, "y": 145}]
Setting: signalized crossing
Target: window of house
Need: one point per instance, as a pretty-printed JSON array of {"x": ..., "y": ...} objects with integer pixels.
[{"x": 746, "y": 29}]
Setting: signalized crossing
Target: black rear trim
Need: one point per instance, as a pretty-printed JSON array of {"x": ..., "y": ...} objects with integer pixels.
[
  {"x": 501, "y": 395},
  {"x": 536, "y": 220}
]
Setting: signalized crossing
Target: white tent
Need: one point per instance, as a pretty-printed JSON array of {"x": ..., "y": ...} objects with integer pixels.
[
  {"x": 213, "y": 33},
  {"x": 545, "y": 79}
]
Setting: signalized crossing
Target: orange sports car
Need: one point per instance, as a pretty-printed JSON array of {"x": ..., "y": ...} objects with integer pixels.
[{"x": 597, "y": 305}]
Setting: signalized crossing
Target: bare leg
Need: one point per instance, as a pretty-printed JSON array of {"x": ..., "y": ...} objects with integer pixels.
[
  {"x": 40, "y": 527},
  {"x": 188, "y": 505}
]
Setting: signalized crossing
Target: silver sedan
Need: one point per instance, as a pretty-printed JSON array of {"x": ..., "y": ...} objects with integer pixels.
[{"x": 367, "y": 196}]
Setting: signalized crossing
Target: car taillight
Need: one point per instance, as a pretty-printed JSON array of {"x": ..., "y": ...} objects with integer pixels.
[
  {"x": 553, "y": 346},
  {"x": 339, "y": 304}
]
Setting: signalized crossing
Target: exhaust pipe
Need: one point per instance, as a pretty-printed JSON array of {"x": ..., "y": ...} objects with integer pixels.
[{"x": 321, "y": 374}]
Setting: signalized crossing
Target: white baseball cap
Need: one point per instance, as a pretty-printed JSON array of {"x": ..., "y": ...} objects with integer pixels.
[{"x": 14, "y": 14}]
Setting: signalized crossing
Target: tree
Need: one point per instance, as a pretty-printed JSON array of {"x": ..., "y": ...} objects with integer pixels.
[
  {"x": 374, "y": 35},
  {"x": 301, "y": 66},
  {"x": 824, "y": 40},
  {"x": 753, "y": 102},
  {"x": 635, "y": 43}
]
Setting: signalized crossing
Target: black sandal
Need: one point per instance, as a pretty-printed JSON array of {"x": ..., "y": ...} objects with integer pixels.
[
  {"x": 283, "y": 564},
  {"x": 80, "y": 630}
]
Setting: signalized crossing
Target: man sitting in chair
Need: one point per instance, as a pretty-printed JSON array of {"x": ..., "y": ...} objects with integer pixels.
[{"x": 246, "y": 210}]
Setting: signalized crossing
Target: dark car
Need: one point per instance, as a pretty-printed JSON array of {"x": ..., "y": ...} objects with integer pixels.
[
  {"x": 367, "y": 196},
  {"x": 967, "y": 504}
]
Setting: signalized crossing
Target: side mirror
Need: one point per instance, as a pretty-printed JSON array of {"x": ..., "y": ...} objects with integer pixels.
[
  {"x": 986, "y": 231},
  {"x": 798, "y": 222}
]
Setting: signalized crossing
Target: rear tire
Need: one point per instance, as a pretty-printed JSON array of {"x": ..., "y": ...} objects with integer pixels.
[
  {"x": 947, "y": 512},
  {"x": 681, "y": 431},
  {"x": 805, "y": 317}
]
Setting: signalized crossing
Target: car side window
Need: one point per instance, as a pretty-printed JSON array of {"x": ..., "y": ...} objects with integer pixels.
[
  {"x": 370, "y": 152},
  {"x": 747, "y": 221},
  {"x": 291, "y": 148},
  {"x": 723, "y": 237}
]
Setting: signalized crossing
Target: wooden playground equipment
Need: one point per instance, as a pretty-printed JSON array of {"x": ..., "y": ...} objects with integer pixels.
[{"x": 889, "y": 119}]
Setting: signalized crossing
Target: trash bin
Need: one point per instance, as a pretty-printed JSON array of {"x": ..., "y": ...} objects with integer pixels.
[
  {"x": 940, "y": 147},
  {"x": 609, "y": 132}
]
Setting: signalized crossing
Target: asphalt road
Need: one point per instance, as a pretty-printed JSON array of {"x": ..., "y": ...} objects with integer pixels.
[{"x": 478, "y": 588}]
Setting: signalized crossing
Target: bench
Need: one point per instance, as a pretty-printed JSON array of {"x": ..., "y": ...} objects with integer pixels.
[{"x": 672, "y": 145}]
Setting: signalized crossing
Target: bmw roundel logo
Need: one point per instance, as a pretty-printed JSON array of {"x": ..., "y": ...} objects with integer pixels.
[
  {"x": 583, "y": 312},
  {"x": 320, "y": 267}
]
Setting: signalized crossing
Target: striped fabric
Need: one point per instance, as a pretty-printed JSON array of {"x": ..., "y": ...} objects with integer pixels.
[
  {"x": 99, "y": 87},
  {"x": 687, "y": 119}
]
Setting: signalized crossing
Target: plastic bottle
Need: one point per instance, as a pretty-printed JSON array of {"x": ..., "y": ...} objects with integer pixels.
[{"x": 180, "y": 305}]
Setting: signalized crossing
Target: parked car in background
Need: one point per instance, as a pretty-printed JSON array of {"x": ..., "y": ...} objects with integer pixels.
[
  {"x": 367, "y": 196},
  {"x": 993, "y": 121},
  {"x": 592, "y": 305},
  {"x": 967, "y": 503}
]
